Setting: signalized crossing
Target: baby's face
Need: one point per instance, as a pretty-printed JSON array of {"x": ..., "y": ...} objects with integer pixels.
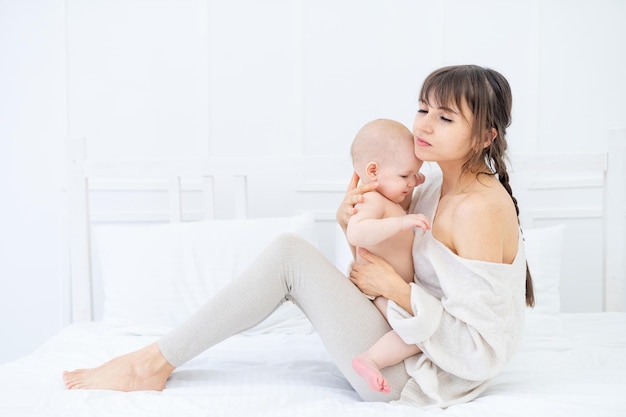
[{"x": 398, "y": 179}]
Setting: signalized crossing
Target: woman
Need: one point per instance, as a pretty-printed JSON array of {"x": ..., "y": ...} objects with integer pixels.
[{"x": 465, "y": 309}]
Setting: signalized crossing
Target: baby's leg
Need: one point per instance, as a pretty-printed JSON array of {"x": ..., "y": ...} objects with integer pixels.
[
  {"x": 387, "y": 351},
  {"x": 381, "y": 304}
]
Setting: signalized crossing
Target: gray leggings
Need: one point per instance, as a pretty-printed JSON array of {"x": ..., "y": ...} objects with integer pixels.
[{"x": 291, "y": 269}]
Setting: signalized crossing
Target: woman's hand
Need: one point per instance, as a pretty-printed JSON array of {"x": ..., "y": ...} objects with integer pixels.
[
  {"x": 376, "y": 277},
  {"x": 353, "y": 196}
]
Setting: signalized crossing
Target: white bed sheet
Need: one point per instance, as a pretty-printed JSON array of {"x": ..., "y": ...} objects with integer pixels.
[{"x": 580, "y": 373}]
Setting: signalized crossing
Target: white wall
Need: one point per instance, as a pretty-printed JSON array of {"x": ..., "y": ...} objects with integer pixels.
[
  {"x": 32, "y": 134},
  {"x": 182, "y": 78}
]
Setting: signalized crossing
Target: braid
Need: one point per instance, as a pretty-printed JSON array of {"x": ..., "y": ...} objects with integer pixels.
[
  {"x": 498, "y": 166},
  {"x": 501, "y": 172}
]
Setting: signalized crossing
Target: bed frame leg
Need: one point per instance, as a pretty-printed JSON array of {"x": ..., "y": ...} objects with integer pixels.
[
  {"x": 615, "y": 223},
  {"x": 80, "y": 256}
]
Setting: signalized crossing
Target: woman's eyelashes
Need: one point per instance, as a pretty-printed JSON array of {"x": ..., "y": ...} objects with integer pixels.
[{"x": 441, "y": 117}]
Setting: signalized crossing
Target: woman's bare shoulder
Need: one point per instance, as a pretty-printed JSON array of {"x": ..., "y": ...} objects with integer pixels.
[{"x": 483, "y": 224}]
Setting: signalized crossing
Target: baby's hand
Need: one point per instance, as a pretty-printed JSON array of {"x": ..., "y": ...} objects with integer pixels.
[{"x": 415, "y": 220}]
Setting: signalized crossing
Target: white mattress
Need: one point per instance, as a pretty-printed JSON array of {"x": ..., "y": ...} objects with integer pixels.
[{"x": 580, "y": 373}]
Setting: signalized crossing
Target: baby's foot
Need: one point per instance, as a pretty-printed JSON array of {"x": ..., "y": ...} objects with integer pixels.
[
  {"x": 370, "y": 371},
  {"x": 145, "y": 369}
]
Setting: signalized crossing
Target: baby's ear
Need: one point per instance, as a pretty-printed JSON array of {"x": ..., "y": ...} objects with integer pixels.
[{"x": 371, "y": 170}]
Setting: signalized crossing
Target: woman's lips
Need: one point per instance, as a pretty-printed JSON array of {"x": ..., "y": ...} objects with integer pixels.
[{"x": 421, "y": 142}]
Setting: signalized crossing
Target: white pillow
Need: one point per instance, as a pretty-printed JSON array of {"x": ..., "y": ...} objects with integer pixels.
[
  {"x": 154, "y": 276},
  {"x": 544, "y": 248}
]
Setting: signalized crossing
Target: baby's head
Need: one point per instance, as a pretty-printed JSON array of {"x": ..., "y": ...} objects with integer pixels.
[{"x": 383, "y": 151}]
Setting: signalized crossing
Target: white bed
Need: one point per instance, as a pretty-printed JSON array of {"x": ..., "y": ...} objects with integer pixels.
[
  {"x": 580, "y": 373},
  {"x": 572, "y": 364}
]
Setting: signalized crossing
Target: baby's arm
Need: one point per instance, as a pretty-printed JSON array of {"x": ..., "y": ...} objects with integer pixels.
[{"x": 368, "y": 227}]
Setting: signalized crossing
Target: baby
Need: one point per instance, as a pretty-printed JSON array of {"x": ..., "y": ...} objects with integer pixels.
[{"x": 383, "y": 151}]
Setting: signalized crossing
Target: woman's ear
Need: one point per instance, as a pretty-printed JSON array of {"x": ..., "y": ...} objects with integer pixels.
[
  {"x": 490, "y": 136},
  {"x": 371, "y": 170}
]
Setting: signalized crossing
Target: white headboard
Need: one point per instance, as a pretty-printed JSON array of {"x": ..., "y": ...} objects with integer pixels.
[
  {"x": 591, "y": 186},
  {"x": 240, "y": 187}
]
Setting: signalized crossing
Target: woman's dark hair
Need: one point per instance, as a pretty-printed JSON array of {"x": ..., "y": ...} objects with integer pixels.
[{"x": 487, "y": 94}]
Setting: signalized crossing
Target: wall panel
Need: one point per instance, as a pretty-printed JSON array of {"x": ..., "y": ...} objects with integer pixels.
[
  {"x": 138, "y": 77},
  {"x": 254, "y": 106}
]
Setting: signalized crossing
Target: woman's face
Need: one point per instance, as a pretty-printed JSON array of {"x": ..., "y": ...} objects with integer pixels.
[{"x": 442, "y": 133}]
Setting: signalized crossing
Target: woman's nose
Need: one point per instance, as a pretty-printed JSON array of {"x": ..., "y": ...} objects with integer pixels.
[{"x": 421, "y": 123}]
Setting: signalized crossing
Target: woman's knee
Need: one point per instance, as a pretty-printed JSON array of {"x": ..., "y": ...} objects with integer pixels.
[{"x": 291, "y": 243}]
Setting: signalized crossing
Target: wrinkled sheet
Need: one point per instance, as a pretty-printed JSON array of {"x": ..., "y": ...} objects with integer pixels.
[{"x": 581, "y": 372}]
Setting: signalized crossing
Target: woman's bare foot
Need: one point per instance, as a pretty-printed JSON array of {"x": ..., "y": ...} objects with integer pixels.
[
  {"x": 370, "y": 371},
  {"x": 145, "y": 369}
]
